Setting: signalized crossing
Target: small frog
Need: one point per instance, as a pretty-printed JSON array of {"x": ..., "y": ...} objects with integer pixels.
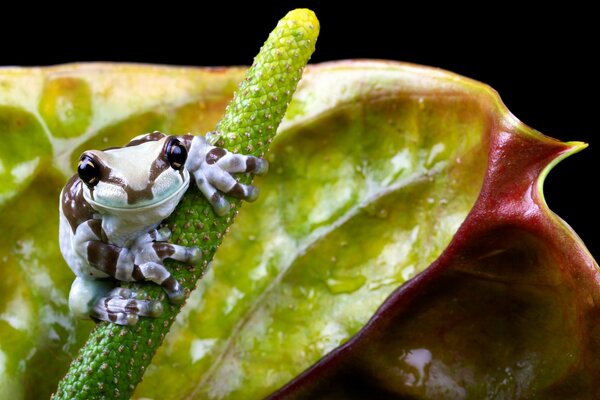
[{"x": 111, "y": 210}]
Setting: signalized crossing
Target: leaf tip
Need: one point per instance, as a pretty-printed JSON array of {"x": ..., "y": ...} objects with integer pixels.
[
  {"x": 575, "y": 147},
  {"x": 569, "y": 149}
]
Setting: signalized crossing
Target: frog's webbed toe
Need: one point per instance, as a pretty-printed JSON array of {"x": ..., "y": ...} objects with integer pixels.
[{"x": 121, "y": 307}]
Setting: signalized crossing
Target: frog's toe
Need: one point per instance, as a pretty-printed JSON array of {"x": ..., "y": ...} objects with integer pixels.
[
  {"x": 177, "y": 296},
  {"x": 219, "y": 204},
  {"x": 245, "y": 192},
  {"x": 194, "y": 254},
  {"x": 261, "y": 166},
  {"x": 156, "y": 309},
  {"x": 132, "y": 319}
]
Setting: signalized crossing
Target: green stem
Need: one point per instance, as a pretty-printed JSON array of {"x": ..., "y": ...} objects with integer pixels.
[{"x": 113, "y": 361}]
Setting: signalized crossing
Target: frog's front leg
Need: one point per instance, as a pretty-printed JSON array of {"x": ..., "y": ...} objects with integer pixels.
[{"x": 212, "y": 168}]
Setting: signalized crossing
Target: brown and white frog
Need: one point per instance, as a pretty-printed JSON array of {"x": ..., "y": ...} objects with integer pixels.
[{"x": 110, "y": 213}]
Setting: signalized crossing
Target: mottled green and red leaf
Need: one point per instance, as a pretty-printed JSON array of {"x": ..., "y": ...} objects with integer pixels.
[{"x": 380, "y": 171}]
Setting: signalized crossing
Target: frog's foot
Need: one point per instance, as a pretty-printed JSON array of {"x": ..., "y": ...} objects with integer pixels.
[
  {"x": 213, "y": 174},
  {"x": 121, "y": 307}
]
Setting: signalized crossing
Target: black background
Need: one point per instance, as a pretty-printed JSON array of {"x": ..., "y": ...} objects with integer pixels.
[{"x": 540, "y": 61}]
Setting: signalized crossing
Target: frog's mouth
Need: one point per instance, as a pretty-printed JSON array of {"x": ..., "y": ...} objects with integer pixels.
[{"x": 123, "y": 198}]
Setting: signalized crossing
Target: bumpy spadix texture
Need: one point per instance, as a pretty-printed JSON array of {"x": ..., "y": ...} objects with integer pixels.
[{"x": 115, "y": 358}]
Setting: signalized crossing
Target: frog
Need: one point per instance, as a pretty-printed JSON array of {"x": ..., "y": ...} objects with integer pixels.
[{"x": 111, "y": 213}]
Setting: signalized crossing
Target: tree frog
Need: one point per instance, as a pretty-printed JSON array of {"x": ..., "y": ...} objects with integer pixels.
[{"x": 110, "y": 213}]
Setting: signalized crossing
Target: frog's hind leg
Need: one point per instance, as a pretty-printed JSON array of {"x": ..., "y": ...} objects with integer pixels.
[{"x": 100, "y": 300}]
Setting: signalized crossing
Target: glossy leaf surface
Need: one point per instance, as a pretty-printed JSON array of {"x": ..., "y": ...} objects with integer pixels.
[
  {"x": 374, "y": 170},
  {"x": 509, "y": 310}
]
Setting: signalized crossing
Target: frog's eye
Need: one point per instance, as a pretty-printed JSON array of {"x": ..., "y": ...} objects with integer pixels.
[
  {"x": 88, "y": 171},
  {"x": 176, "y": 154}
]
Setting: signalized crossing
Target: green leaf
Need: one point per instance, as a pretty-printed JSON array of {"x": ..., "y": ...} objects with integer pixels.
[
  {"x": 374, "y": 170},
  {"x": 509, "y": 310},
  {"x": 66, "y": 106}
]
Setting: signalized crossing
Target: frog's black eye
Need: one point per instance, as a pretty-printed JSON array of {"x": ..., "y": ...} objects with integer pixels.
[
  {"x": 88, "y": 171},
  {"x": 176, "y": 154}
]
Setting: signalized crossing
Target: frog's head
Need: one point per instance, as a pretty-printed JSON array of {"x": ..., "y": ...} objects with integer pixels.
[{"x": 134, "y": 177}]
